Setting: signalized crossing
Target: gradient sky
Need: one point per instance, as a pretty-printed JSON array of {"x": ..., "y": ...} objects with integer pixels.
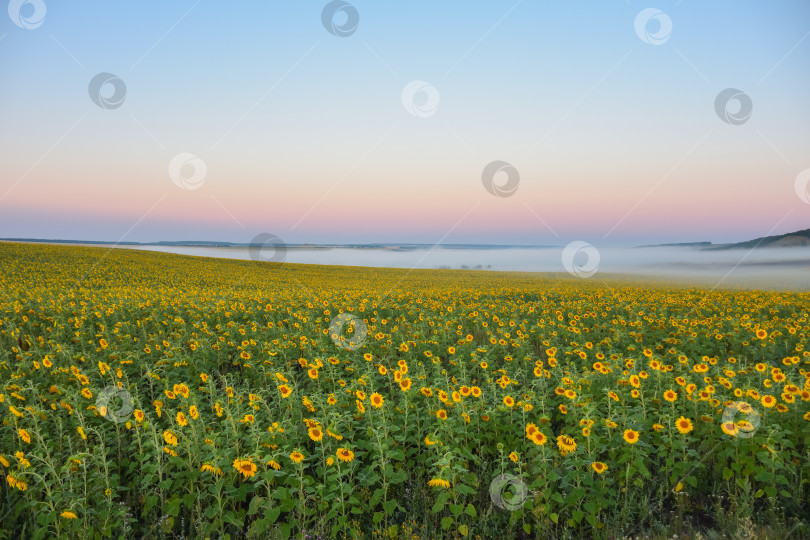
[{"x": 304, "y": 134}]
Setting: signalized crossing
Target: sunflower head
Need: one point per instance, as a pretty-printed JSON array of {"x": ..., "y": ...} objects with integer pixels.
[{"x": 344, "y": 454}]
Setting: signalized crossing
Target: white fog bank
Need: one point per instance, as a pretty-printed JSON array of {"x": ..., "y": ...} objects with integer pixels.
[{"x": 759, "y": 268}]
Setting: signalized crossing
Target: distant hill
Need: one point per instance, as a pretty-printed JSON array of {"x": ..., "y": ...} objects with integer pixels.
[{"x": 793, "y": 239}]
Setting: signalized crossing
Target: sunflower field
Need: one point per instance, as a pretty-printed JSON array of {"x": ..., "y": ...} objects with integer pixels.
[{"x": 148, "y": 394}]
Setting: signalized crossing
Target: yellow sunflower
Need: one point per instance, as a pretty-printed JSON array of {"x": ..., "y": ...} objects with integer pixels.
[
  {"x": 344, "y": 454},
  {"x": 245, "y": 466},
  {"x": 684, "y": 425}
]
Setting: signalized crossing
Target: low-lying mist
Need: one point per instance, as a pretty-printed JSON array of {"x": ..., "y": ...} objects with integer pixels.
[{"x": 758, "y": 268}]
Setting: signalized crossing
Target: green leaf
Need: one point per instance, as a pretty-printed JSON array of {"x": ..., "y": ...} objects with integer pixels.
[
  {"x": 470, "y": 511},
  {"x": 376, "y": 497},
  {"x": 446, "y": 522},
  {"x": 575, "y": 496},
  {"x": 368, "y": 479},
  {"x": 578, "y": 515},
  {"x": 287, "y": 505},
  {"x": 258, "y": 528},
  {"x": 462, "y": 529},
  {"x": 273, "y": 513},
  {"x": 242, "y": 491},
  {"x": 229, "y": 517},
  {"x": 643, "y": 469},
  {"x": 390, "y": 506},
  {"x": 151, "y": 501},
  {"x": 727, "y": 473},
  {"x": 764, "y": 476},
  {"x": 554, "y": 517},
  {"x": 44, "y": 518},
  {"x": 281, "y": 493},
  {"x": 527, "y": 528},
  {"x": 173, "y": 506},
  {"x": 255, "y": 502},
  {"x": 456, "y": 509},
  {"x": 398, "y": 477}
]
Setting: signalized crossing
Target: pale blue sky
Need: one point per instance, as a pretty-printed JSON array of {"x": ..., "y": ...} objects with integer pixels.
[{"x": 304, "y": 134}]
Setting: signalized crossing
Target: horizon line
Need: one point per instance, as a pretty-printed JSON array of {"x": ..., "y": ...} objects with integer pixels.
[{"x": 227, "y": 243}]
